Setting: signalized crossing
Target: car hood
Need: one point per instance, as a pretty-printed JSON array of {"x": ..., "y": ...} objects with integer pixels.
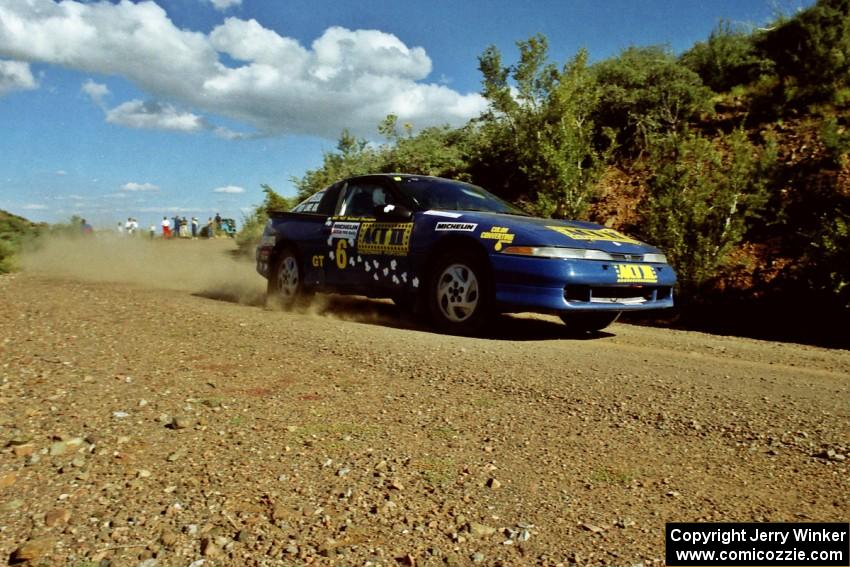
[{"x": 519, "y": 230}]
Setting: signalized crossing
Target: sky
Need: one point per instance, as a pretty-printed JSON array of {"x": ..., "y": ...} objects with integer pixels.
[{"x": 117, "y": 109}]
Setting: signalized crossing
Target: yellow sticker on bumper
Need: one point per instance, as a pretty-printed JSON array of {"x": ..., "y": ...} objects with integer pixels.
[{"x": 635, "y": 273}]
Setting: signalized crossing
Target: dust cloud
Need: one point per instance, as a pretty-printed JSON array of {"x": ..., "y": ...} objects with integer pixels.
[{"x": 209, "y": 268}]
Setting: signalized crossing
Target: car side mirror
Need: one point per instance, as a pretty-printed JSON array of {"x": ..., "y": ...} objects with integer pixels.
[{"x": 393, "y": 212}]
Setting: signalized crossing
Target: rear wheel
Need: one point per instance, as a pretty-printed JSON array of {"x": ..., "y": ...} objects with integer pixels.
[
  {"x": 458, "y": 293},
  {"x": 285, "y": 284},
  {"x": 590, "y": 321}
]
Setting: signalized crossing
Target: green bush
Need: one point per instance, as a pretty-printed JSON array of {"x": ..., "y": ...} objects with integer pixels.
[
  {"x": 353, "y": 157},
  {"x": 540, "y": 125},
  {"x": 836, "y": 142},
  {"x": 811, "y": 51},
  {"x": 7, "y": 256},
  {"x": 728, "y": 58},
  {"x": 254, "y": 224},
  {"x": 646, "y": 92},
  {"x": 441, "y": 150},
  {"x": 15, "y": 231},
  {"x": 829, "y": 258},
  {"x": 701, "y": 195}
]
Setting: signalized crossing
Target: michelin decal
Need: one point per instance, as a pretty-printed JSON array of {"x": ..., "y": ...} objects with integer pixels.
[{"x": 456, "y": 226}]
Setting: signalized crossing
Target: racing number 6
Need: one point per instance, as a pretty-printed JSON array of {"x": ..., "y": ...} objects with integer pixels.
[{"x": 341, "y": 254}]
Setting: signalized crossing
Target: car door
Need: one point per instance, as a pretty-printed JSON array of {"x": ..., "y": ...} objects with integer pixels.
[{"x": 368, "y": 249}]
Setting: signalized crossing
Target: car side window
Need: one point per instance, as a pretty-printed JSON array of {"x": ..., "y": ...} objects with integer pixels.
[
  {"x": 311, "y": 203},
  {"x": 361, "y": 198},
  {"x": 328, "y": 202}
]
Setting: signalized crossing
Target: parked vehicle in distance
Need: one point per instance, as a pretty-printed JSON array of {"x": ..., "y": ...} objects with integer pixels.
[
  {"x": 228, "y": 227},
  {"x": 458, "y": 254}
]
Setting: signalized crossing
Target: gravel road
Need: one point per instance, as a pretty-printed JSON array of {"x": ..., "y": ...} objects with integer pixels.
[{"x": 152, "y": 413}]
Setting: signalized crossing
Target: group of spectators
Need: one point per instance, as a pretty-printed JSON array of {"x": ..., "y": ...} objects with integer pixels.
[
  {"x": 181, "y": 227},
  {"x": 130, "y": 226},
  {"x": 175, "y": 227}
]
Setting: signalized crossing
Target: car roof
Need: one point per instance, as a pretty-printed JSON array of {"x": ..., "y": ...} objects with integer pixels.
[{"x": 393, "y": 175}]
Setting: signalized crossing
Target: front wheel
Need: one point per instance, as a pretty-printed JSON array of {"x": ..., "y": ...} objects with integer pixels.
[
  {"x": 589, "y": 321},
  {"x": 458, "y": 293},
  {"x": 286, "y": 282}
]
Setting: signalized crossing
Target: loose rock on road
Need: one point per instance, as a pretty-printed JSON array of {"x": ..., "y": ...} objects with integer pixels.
[{"x": 162, "y": 427}]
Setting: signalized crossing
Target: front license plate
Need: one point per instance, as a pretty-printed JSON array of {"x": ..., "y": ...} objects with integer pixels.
[{"x": 635, "y": 273}]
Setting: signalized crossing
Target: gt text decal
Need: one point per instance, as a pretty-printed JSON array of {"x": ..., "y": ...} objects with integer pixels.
[
  {"x": 318, "y": 261},
  {"x": 392, "y": 239},
  {"x": 500, "y": 234},
  {"x": 458, "y": 226},
  {"x": 635, "y": 273},
  {"x": 608, "y": 234}
]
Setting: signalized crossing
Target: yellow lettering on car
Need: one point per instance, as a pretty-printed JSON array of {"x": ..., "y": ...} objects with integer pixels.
[
  {"x": 341, "y": 254},
  {"x": 392, "y": 239},
  {"x": 635, "y": 273},
  {"x": 500, "y": 234},
  {"x": 318, "y": 261},
  {"x": 607, "y": 234}
]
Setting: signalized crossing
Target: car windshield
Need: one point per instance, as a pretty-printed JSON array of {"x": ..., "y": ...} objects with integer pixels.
[{"x": 443, "y": 194}]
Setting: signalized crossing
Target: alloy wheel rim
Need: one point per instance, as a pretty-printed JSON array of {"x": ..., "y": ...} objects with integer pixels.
[
  {"x": 458, "y": 293},
  {"x": 287, "y": 278}
]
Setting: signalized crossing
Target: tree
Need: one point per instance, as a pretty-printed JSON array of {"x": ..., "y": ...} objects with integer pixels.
[
  {"x": 253, "y": 224},
  {"x": 540, "y": 125},
  {"x": 354, "y": 156},
  {"x": 440, "y": 150},
  {"x": 728, "y": 58},
  {"x": 830, "y": 259},
  {"x": 274, "y": 201},
  {"x": 701, "y": 195},
  {"x": 645, "y": 92},
  {"x": 812, "y": 49}
]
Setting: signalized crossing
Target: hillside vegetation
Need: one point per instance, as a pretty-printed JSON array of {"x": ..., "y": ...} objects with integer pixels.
[
  {"x": 14, "y": 230},
  {"x": 731, "y": 156}
]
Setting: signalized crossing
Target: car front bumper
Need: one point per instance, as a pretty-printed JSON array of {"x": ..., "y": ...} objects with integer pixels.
[{"x": 557, "y": 285}]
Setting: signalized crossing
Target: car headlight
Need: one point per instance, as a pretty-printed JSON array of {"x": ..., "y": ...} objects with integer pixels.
[
  {"x": 557, "y": 252},
  {"x": 655, "y": 258},
  {"x": 575, "y": 254}
]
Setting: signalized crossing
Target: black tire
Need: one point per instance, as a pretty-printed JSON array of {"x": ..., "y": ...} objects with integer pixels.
[
  {"x": 285, "y": 286},
  {"x": 458, "y": 293},
  {"x": 589, "y": 321}
]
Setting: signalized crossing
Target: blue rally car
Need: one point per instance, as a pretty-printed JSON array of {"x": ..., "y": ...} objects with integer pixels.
[{"x": 458, "y": 253}]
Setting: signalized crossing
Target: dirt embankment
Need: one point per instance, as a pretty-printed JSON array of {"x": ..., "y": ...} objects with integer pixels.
[{"x": 144, "y": 422}]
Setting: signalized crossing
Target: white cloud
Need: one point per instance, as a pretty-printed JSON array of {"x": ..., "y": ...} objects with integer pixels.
[
  {"x": 61, "y": 173},
  {"x": 228, "y": 134},
  {"x": 34, "y": 207},
  {"x": 152, "y": 114},
  {"x": 225, "y": 4},
  {"x": 149, "y": 114},
  {"x": 96, "y": 91},
  {"x": 344, "y": 79},
  {"x": 14, "y": 76},
  {"x": 133, "y": 187},
  {"x": 229, "y": 189}
]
